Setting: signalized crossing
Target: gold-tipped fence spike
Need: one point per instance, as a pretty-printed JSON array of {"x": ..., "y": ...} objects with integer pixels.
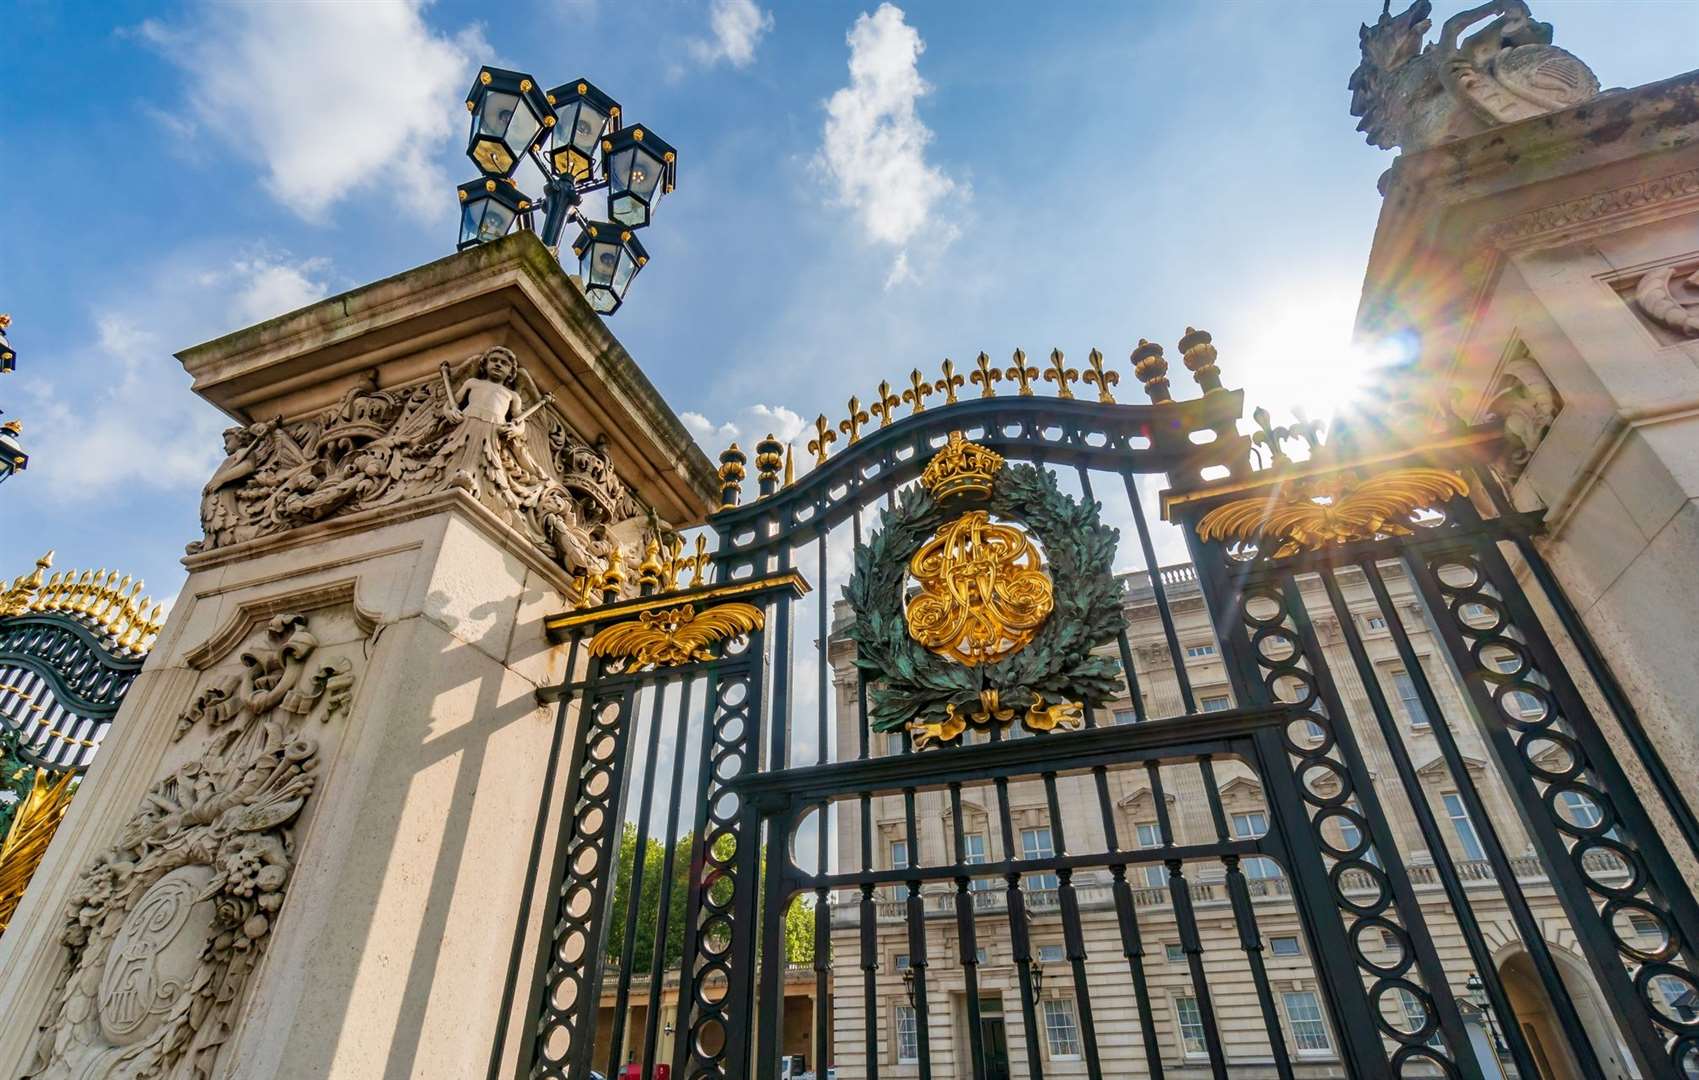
[
  {"x": 852, "y": 426},
  {"x": 1061, "y": 374},
  {"x": 950, "y": 383},
  {"x": 824, "y": 437},
  {"x": 919, "y": 389},
  {"x": 105, "y": 600},
  {"x": 1099, "y": 377},
  {"x": 790, "y": 464},
  {"x": 1019, "y": 372},
  {"x": 985, "y": 376},
  {"x": 886, "y": 402}
]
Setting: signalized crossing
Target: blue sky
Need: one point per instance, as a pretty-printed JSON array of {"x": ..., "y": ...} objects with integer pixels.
[{"x": 992, "y": 175}]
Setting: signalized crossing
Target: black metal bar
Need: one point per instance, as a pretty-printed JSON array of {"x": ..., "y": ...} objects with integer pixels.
[
  {"x": 1019, "y": 938},
  {"x": 1596, "y": 941},
  {"x": 522, "y": 925},
  {"x": 770, "y": 1022},
  {"x": 967, "y": 938},
  {"x": 779, "y": 754},
  {"x": 1245, "y": 919},
  {"x": 658, "y": 967},
  {"x": 1434, "y": 984},
  {"x": 1073, "y": 935},
  {"x": 917, "y": 938},
  {"x": 1185, "y": 919},
  {"x": 1126, "y": 913},
  {"x": 1159, "y": 591},
  {"x": 869, "y": 926},
  {"x": 634, "y": 893},
  {"x": 1527, "y": 926},
  {"x": 822, "y": 912}
]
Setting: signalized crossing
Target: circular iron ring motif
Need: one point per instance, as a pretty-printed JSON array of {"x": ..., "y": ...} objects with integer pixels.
[{"x": 984, "y": 590}]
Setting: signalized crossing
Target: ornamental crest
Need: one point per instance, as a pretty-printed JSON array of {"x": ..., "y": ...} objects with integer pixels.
[
  {"x": 165, "y": 927},
  {"x": 990, "y": 631}
]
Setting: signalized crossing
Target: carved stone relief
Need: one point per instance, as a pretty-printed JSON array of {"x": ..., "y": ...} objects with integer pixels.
[
  {"x": 482, "y": 428},
  {"x": 1527, "y": 403},
  {"x": 1666, "y": 299},
  {"x": 1414, "y": 96},
  {"x": 163, "y": 929}
]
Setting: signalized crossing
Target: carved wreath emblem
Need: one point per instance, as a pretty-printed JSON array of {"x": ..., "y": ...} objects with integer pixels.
[
  {"x": 164, "y": 928},
  {"x": 992, "y": 633}
]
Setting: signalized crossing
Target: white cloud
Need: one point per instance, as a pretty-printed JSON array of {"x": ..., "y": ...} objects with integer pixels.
[
  {"x": 330, "y": 99},
  {"x": 750, "y": 424},
  {"x": 874, "y": 144},
  {"x": 117, "y": 413},
  {"x": 737, "y": 26}
]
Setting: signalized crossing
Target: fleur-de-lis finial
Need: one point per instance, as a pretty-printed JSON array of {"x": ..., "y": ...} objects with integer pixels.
[
  {"x": 649, "y": 570},
  {"x": 699, "y": 562},
  {"x": 673, "y": 565},
  {"x": 824, "y": 437},
  {"x": 579, "y": 591},
  {"x": 613, "y": 576},
  {"x": 857, "y": 417},
  {"x": 1020, "y": 373},
  {"x": 886, "y": 402},
  {"x": 1269, "y": 437},
  {"x": 1061, "y": 374},
  {"x": 1306, "y": 429},
  {"x": 986, "y": 375},
  {"x": 918, "y": 389},
  {"x": 948, "y": 384},
  {"x": 1100, "y": 378}
]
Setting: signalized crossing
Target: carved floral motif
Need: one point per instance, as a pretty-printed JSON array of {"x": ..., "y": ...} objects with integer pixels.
[
  {"x": 482, "y": 428},
  {"x": 164, "y": 928}
]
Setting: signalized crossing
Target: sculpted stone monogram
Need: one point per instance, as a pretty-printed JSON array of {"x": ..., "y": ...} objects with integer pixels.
[
  {"x": 164, "y": 928},
  {"x": 482, "y": 428}
]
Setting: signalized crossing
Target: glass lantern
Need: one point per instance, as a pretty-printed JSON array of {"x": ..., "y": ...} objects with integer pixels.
[
  {"x": 8, "y": 359},
  {"x": 584, "y": 114},
  {"x": 510, "y": 117},
  {"x": 609, "y": 256},
  {"x": 641, "y": 168},
  {"x": 12, "y": 456},
  {"x": 488, "y": 209}
]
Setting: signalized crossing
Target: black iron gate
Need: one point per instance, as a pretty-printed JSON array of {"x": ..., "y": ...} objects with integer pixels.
[{"x": 1346, "y": 805}]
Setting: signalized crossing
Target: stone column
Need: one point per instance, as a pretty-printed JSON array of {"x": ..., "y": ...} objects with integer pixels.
[
  {"x": 1546, "y": 272},
  {"x": 302, "y": 849}
]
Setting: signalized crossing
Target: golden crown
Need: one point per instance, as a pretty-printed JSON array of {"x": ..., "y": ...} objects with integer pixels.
[{"x": 961, "y": 468}]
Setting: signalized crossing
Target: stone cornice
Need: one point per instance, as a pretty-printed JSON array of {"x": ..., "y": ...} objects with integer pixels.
[{"x": 1606, "y": 210}]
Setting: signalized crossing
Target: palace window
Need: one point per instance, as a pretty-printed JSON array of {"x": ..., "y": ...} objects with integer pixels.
[
  {"x": 1036, "y": 844},
  {"x": 900, "y": 961},
  {"x": 1051, "y": 954},
  {"x": 981, "y": 956},
  {"x": 1581, "y": 810},
  {"x": 1061, "y": 1029},
  {"x": 1155, "y": 874},
  {"x": 908, "y": 1036},
  {"x": 899, "y": 854},
  {"x": 895, "y": 742},
  {"x": 1126, "y": 716},
  {"x": 1375, "y": 622},
  {"x": 1309, "y": 1030},
  {"x": 1466, "y": 835},
  {"x": 1350, "y": 836},
  {"x": 1173, "y": 953},
  {"x": 1526, "y": 705},
  {"x": 1216, "y": 703},
  {"x": 1198, "y": 652},
  {"x": 1245, "y": 827},
  {"x": 1284, "y": 946},
  {"x": 1191, "y": 1024},
  {"x": 973, "y": 853},
  {"x": 1405, "y": 687}
]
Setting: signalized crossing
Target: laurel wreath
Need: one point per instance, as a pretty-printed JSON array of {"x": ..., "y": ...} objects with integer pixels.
[{"x": 910, "y": 683}]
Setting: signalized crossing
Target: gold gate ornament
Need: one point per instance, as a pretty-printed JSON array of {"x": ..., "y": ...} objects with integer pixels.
[
  {"x": 983, "y": 590},
  {"x": 1330, "y": 510},
  {"x": 669, "y": 637}
]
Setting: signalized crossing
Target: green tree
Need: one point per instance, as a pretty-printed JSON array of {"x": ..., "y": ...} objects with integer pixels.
[
  {"x": 799, "y": 931},
  {"x": 16, "y": 778}
]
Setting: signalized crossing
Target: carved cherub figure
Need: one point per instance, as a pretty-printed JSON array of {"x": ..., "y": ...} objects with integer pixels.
[
  {"x": 222, "y": 519},
  {"x": 485, "y": 452}
]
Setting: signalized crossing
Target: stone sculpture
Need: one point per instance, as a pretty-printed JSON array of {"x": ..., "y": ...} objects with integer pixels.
[
  {"x": 482, "y": 428},
  {"x": 1415, "y": 97},
  {"x": 1525, "y": 401},
  {"x": 164, "y": 928}
]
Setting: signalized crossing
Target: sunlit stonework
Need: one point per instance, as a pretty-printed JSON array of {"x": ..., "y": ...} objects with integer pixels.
[{"x": 983, "y": 590}]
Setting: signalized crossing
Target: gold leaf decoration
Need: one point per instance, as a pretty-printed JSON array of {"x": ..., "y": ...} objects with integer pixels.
[
  {"x": 1330, "y": 510},
  {"x": 32, "y": 830},
  {"x": 983, "y": 590},
  {"x": 668, "y": 637}
]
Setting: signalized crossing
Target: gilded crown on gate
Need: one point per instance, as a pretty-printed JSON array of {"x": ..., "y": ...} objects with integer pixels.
[{"x": 961, "y": 468}]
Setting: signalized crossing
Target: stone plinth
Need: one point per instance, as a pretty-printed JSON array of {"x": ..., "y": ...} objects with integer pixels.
[
  {"x": 1549, "y": 270},
  {"x": 303, "y": 848}
]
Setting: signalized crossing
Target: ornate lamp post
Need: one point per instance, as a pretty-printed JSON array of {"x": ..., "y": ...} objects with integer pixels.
[
  {"x": 1478, "y": 998},
  {"x": 12, "y": 456},
  {"x": 587, "y": 150}
]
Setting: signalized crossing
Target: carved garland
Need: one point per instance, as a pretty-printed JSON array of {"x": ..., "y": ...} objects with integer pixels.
[{"x": 164, "y": 928}]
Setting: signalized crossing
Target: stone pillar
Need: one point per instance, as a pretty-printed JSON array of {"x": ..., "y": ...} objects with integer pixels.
[
  {"x": 302, "y": 849},
  {"x": 1547, "y": 272}
]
